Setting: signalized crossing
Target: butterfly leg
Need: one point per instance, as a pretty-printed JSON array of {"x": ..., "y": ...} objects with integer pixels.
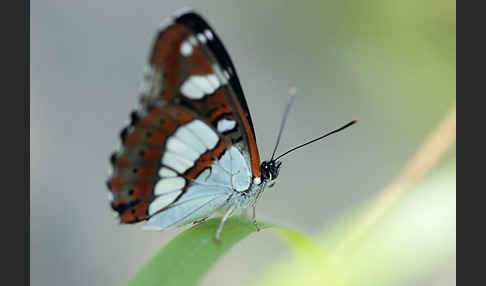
[
  {"x": 223, "y": 220},
  {"x": 254, "y": 209},
  {"x": 254, "y": 219},
  {"x": 200, "y": 220}
]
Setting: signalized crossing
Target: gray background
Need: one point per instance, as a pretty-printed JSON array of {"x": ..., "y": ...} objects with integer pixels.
[{"x": 86, "y": 66}]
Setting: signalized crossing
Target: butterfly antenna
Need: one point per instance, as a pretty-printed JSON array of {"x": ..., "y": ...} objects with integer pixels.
[
  {"x": 290, "y": 102},
  {"x": 317, "y": 139}
]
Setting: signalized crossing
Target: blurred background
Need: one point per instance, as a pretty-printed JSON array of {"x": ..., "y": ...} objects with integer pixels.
[{"x": 390, "y": 64}]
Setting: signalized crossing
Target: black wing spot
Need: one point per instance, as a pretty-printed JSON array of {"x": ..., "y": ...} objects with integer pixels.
[
  {"x": 123, "y": 207},
  {"x": 113, "y": 158},
  {"x": 124, "y": 134},
  {"x": 134, "y": 117}
]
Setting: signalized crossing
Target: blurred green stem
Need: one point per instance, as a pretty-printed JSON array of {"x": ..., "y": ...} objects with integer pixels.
[{"x": 427, "y": 157}]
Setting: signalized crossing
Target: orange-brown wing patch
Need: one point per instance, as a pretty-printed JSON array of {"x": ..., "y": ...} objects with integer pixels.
[
  {"x": 135, "y": 213},
  {"x": 218, "y": 105},
  {"x": 251, "y": 141},
  {"x": 115, "y": 183},
  {"x": 174, "y": 67},
  {"x": 166, "y": 55},
  {"x": 136, "y": 167},
  {"x": 199, "y": 62},
  {"x": 206, "y": 160}
]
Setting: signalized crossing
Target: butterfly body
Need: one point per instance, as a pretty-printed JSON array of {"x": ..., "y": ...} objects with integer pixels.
[{"x": 189, "y": 151}]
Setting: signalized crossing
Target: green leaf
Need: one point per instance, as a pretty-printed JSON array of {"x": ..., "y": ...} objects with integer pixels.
[{"x": 185, "y": 259}]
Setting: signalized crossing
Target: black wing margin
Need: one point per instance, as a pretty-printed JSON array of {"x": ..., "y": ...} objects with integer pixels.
[{"x": 197, "y": 25}]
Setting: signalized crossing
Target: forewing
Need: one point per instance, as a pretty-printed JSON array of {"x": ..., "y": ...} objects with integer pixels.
[{"x": 189, "y": 65}]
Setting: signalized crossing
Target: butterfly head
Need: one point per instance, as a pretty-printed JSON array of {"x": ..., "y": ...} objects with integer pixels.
[{"x": 270, "y": 170}]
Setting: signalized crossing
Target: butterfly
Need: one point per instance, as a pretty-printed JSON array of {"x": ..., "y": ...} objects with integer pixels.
[{"x": 189, "y": 150}]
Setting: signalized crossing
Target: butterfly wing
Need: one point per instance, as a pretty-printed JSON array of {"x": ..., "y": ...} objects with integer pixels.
[
  {"x": 192, "y": 142},
  {"x": 189, "y": 65}
]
